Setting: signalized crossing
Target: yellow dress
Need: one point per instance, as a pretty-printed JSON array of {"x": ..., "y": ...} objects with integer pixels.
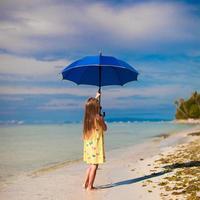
[{"x": 93, "y": 150}]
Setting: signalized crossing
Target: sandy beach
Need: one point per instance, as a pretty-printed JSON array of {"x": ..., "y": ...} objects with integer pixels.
[{"x": 144, "y": 171}]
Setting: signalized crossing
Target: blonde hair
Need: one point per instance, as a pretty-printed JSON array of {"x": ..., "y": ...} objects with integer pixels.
[{"x": 91, "y": 110}]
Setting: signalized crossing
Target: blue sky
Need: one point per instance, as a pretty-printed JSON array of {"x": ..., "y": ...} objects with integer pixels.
[{"x": 39, "y": 38}]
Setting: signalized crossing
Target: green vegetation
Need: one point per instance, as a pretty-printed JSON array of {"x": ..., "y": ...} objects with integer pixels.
[{"x": 189, "y": 108}]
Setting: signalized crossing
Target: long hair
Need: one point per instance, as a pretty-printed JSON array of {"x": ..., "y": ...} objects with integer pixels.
[{"x": 91, "y": 110}]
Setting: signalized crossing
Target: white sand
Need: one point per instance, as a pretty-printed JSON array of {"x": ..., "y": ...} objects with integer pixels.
[{"x": 122, "y": 176}]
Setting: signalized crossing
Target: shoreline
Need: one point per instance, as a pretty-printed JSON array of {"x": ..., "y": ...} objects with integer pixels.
[
  {"x": 50, "y": 167},
  {"x": 54, "y": 165},
  {"x": 68, "y": 176},
  {"x": 187, "y": 121}
]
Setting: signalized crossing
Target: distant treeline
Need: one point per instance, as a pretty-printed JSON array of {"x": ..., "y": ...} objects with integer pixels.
[{"x": 189, "y": 108}]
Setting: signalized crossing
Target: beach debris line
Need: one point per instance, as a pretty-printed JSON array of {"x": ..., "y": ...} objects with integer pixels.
[
  {"x": 184, "y": 182},
  {"x": 194, "y": 134}
]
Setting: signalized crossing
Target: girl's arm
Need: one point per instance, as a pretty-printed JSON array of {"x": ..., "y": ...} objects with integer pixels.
[{"x": 102, "y": 122}]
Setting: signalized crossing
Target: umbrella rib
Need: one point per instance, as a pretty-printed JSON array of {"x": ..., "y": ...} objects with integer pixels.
[{"x": 79, "y": 66}]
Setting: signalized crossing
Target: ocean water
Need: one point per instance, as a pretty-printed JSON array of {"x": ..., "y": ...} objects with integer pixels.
[{"x": 24, "y": 148}]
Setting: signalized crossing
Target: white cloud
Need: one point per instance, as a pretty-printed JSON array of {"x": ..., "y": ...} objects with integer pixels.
[
  {"x": 60, "y": 104},
  {"x": 30, "y": 67},
  {"x": 42, "y": 28},
  {"x": 51, "y": 26},
  {"x": 114, "y": 97},
  {"x": 108, "y": 93},
  {"x": 11, "y": 98},
  {"x": 6, "y": 90}
]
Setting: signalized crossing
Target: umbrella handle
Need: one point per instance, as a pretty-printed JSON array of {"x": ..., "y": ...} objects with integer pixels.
[
  {"x": 103, "y": 114},
  {"x": 99, "y": 91},
  {"x": 100, "y": 113}
]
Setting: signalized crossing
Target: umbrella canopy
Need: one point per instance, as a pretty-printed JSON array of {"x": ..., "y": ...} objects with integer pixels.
[{"x": 100, "y": 71}]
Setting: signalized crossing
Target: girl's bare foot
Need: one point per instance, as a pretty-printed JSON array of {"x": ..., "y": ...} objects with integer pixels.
[
  {"x": 85, "y": 185},
  {"x": 91, "y": 188}
]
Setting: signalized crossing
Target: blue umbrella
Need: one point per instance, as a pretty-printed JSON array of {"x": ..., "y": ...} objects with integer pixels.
[{"x": 100, "y": 70}]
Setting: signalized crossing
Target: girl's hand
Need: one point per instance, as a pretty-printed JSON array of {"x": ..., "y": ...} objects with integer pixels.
[{"x": 97, "y": 95}]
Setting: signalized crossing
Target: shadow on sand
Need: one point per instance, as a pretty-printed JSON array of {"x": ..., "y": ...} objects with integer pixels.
[
  {"x": 134, "y": 180},
  {"x": 168, "y": 168}
]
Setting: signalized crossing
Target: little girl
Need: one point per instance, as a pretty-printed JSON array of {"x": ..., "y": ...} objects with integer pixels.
[{"x": 93, "y": 137}]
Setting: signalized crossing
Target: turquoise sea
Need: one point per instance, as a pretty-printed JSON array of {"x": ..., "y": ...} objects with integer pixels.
[{"x": 25, "y": 148}]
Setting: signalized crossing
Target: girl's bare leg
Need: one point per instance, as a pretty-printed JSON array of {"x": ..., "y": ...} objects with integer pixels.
[
  {"x": 87, "y": 177},
  {"x": 92, "y": 175}
]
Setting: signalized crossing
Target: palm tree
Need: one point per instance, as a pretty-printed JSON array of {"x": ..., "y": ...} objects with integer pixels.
[
  {"x": 196, "y": 98},
  {"x": 185, "y": 110},
  {"x": 178, "y": 107}
]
